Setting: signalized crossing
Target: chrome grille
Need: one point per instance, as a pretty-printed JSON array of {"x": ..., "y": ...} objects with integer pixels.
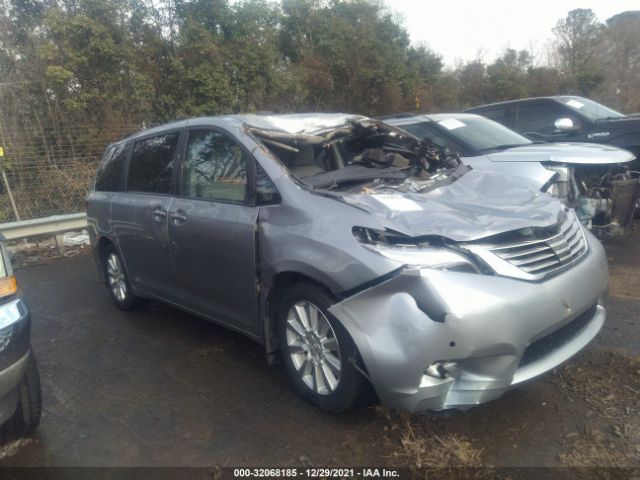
[{"x": 541, "y": 257}]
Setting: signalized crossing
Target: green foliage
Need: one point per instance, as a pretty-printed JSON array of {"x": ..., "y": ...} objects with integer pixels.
[
  {"x": 620, "y": 54},
  {"x": 110, "y": 62},
  {"x": 508, "y": 75},
  {"x": 77, "y": 74},
  {"x": 578, "y": 37}
]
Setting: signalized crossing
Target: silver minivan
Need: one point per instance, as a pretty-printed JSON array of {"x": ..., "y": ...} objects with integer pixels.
[{"x": 360, "y": 253}]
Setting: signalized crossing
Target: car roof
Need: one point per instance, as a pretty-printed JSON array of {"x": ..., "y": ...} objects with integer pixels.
[
  {"x": 293, "y": 123},
  {"x": 531, "y": 99}
]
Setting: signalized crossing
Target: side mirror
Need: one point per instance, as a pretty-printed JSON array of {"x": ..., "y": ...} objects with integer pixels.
[{"x": 564, "y": 125}]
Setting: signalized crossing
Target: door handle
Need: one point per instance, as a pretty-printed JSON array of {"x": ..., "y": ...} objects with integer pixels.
[
  {"x": 159, "y": 214},
  {"x": 178, "y": 217}
]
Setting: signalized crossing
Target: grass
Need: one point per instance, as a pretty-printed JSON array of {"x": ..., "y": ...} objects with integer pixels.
[
  {"x": 11, "y": 448},
  {"x": 415, "y": 442},
  {"x": 609, "y": 384},
  {"x": 618, "y": 447}
]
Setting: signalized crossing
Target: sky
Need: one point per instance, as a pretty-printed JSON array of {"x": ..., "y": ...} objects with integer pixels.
[{"x": 458, "y": 29}]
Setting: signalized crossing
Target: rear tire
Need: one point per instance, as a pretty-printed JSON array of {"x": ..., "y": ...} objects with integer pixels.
[
  {"x": 118, "y": 281},
  {"x": 29, "y": 408},
  {"x": 317, "y": 351}
]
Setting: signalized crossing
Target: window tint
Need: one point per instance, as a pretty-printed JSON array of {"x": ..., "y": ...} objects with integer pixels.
[
  {"x": 540, "y": 117},
  {"x": 110, "y": 170},
  {"x": 151, "y": 165},
  {"x": 495, "y": 114},
  {"x": 214, "y": 168},
  {"x": 266, "y": 191}
]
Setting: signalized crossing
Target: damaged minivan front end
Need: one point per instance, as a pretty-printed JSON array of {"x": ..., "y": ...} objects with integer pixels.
[
  {"x": 455, "y": 285},
  {"x": 462, "y": 324}
]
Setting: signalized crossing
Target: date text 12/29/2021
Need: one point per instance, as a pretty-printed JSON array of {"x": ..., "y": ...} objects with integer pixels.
[{"x": 316, "y": 472}]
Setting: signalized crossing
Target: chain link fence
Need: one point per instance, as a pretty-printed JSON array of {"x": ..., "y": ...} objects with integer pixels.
[{"x": 49, "y": 170}]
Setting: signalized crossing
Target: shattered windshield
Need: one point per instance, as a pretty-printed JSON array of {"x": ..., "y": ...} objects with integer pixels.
[{"x": 359, "y": 152}]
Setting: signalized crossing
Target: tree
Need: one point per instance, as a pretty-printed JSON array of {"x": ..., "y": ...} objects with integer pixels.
[
  {"x": 474, "y": 84},
  {"x": 620, "y": 57},
  {"x": 254, "y": 65},
  {"x": 578, "y": 37},
  {"x": 543, "y": 81},
  {"x": 507, "y": 75}
]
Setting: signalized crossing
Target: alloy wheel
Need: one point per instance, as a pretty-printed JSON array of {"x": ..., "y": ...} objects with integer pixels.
[
  {"x": 313, "y": 348},
  {"x": 116, "y": 277}
]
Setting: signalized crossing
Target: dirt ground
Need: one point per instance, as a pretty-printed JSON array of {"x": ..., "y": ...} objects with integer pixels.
[{"x": 158, "y": 387}]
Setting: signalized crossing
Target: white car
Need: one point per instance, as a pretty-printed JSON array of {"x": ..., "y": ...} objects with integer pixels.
[{"x": 593, "y": 179}]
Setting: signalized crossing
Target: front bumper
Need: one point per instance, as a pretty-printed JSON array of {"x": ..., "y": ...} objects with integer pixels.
[
  {"x": 15, "y": 340},
  {"x": 490, "y": 332}
]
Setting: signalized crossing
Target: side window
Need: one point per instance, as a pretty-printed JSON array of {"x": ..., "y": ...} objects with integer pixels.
[
  {"x": 110, "y": 170},
  {"x": 495, "y": 114},
  {"x": 215, "y": 167},
  {"x": 266, "y": 192},
  {"x": 539, "y": 117},
  {"x": 152, "y": 162}
]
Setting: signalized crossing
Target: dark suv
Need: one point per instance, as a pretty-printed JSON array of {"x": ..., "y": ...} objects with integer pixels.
[{"x": 566, "y": 118}]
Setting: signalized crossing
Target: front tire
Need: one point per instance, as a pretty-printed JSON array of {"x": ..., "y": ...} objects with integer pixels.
[
  {"x": 118, "y": 282},
  {"x": 317, "y": 351}
]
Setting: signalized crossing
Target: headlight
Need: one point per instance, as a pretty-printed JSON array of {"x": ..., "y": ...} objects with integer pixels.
[{"x": 411, "y": 255}]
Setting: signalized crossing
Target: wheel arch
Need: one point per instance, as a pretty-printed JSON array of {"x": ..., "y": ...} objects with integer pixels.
[
  {"x": 100, "y": 250},
  {"x": 280, "y": 282},
  {"x": 103, "y": 245},
  {"x": 277, "y": 286}
]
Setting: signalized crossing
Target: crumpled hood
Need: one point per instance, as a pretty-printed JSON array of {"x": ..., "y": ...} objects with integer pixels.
[
  {"x": 476, "y": 205},
  {"x": 580, "y": 153},
  {"x": 299, "y": 123}
]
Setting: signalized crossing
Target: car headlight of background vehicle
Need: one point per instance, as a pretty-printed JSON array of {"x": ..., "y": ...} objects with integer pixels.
[
  {"x": 8, "y": 287},
  {"x": 411, "y": 255}
]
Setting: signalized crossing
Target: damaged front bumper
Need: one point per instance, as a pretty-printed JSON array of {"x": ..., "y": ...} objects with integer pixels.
[{"x": 433, "y": 339}]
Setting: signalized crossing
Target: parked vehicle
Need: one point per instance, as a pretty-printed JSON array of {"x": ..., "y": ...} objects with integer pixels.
[
  {"x": 360, "y": 252},
  {"x": 593, "y": 179},
  {"x": 566, "y": 119},
  {"x": 20, "y": 396}
]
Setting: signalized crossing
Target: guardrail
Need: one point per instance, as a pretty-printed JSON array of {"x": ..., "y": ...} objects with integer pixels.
[{"x": 54, "y": 225}]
